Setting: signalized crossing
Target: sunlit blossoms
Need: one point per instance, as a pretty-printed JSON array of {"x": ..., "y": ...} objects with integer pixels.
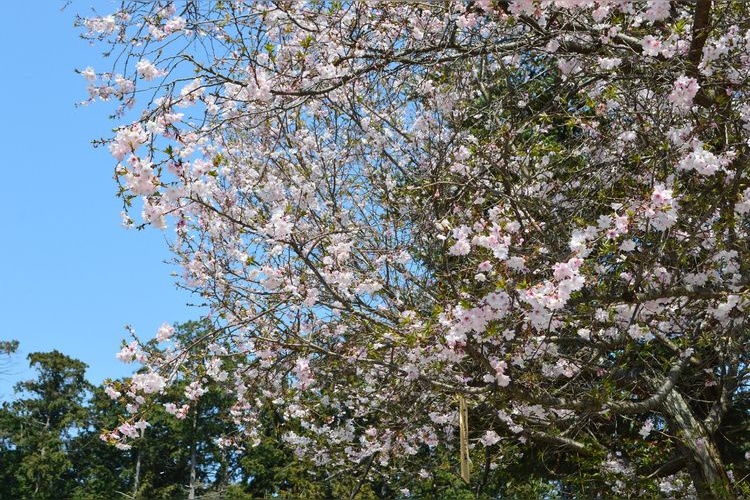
[
  {"x": 148, "y": 383},
  {"x": 165, "y": 332},
  {"x": 101, "y": 25},
  {"x": 147, "y": 70},
  {"x": 684, "y": 92},
  {"x": 128, "y": 139}
]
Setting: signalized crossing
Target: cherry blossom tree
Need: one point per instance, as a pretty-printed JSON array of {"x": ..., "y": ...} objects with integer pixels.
[{"x": 538, "y": 207}]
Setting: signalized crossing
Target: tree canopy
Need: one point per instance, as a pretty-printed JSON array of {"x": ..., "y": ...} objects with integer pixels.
[{"x": 538, "y": 209}]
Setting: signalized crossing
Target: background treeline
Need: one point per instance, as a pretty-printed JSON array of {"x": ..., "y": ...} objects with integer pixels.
[{"x": 50, "y": 448}]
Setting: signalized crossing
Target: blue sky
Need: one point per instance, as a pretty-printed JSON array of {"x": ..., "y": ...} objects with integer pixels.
[{"x": 70, "y": 276}]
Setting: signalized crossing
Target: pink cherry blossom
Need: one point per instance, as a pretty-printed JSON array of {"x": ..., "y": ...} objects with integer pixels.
[{"x": 685, "y": 89}]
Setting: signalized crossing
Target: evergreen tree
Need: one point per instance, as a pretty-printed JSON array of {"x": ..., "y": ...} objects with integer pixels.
[{"x": 38, "y": 427}]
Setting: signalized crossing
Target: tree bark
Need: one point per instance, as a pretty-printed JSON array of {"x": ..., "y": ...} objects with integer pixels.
[
  {"x": 463, "y": 424},
  {"x": 191, "y": 493},
  {"x": 137, "y": 478},
  {"x": 703, "y": 460}
]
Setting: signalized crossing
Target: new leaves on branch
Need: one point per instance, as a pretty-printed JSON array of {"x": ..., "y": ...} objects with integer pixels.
[{"x": 542, "y": 205}]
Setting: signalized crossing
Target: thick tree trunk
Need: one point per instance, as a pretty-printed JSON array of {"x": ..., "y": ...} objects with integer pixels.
[
  {"x": 137, "y": 478},
  {"x": 191, "y": 492},
  {"x": 704, "y": 463}
]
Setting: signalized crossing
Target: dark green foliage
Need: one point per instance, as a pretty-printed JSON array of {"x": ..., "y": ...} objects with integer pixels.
[
  {"x": 8, "y": 347},
  {"x": 37, "y": 428},
  {"x": 101, "y": 469}
]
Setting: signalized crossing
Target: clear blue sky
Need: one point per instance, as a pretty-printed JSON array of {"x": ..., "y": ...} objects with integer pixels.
[{"x": 70, "y": 276}]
